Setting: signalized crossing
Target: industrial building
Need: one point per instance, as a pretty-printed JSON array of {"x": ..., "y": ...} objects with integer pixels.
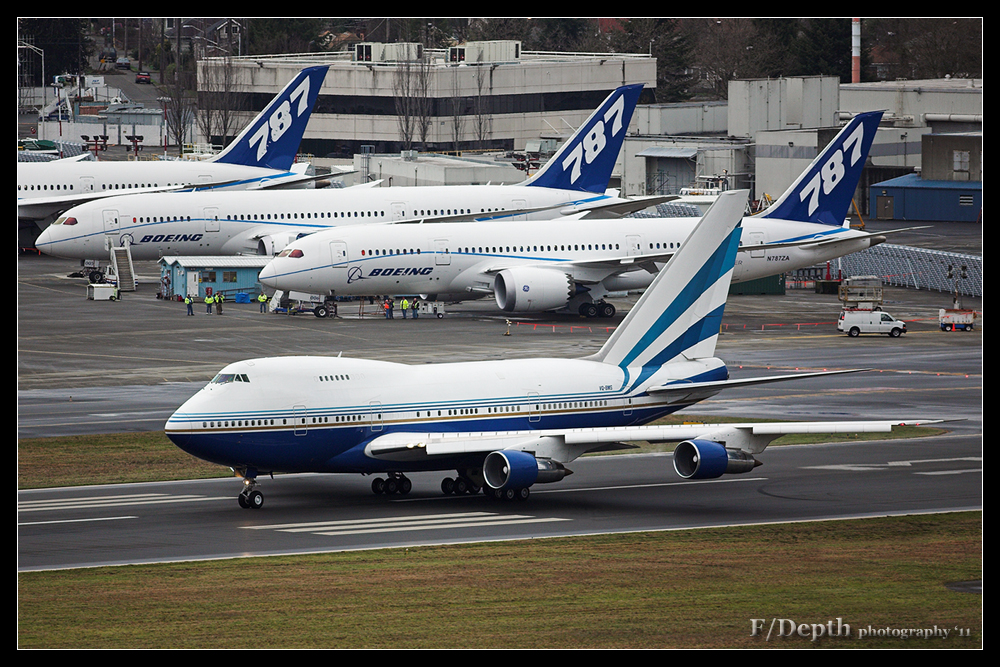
[{"x": 492, "y": 96}]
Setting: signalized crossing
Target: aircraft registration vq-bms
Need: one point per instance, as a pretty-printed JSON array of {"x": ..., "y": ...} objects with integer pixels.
[
  {"x": 261, "y": 157},
  {"x": 571, "y": 265},
  {"x": 503, "y": 426},
  {"x": 575, "y": 180}
]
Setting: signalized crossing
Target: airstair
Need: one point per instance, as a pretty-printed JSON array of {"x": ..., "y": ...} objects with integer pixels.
[{"x": 121, "y": 266}]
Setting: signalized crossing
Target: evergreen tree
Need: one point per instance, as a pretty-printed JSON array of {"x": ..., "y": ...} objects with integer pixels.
[{"x": 64, "y": 42}]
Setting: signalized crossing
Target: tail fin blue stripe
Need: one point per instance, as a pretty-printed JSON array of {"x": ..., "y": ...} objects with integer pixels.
[
  {"x": 718, "y": 265},
  {"x": 586, "y": 160},
  {"x": 823, "y": 193},
  {"x": 273, "y": 138},
  {"x": 704, "y": 328}
]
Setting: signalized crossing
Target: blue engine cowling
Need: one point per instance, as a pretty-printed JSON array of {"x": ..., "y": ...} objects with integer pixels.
[
  {"x": 704, "y": 459},
  {"x": 510, "y": 469}
]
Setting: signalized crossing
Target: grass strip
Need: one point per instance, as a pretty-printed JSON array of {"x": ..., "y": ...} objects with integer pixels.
[{"x": 681, "y": 589}]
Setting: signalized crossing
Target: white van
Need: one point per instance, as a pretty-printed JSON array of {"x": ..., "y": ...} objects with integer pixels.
[{"x": 857, "y": 322}]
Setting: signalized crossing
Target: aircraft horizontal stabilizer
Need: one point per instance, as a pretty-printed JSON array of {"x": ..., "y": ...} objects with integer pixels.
[
  {"x": 617, "y": 208},
  {"x": 718, "y": 385}
]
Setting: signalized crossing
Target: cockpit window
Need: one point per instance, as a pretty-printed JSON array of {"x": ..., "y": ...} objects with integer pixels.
[
  {"x": 65, "y": 221},
  {"x": 287, "y": 252},
  {"x": 226, "y": 378}
]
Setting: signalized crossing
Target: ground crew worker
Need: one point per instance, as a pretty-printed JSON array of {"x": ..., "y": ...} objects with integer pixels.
[
  {"x": 415, "y": 305},
  {"x": 405, "y": 305},
  {"x": 190, "y": 304},
  {"x": 219, "y": 298},
  {"x": 208, "y": 304},
  {"x": 262, "y": 300}
]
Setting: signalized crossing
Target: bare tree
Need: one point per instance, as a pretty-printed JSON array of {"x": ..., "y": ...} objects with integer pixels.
[
  {"x": 221, "y": 98},
  {"x": 729, "y": 49},
  {"x": 482, "y": 103},
  {"x": 409, "y": 89},
  {"x": 178, "y": 109},
  {"x": 457, "y": 109}
]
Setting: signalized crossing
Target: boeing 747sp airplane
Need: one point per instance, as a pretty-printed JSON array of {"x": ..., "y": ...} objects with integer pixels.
[
  {"x": 570, "y": 265},
  {"x": 503, "y": 426},
  {"x": 227, "y": 223}
]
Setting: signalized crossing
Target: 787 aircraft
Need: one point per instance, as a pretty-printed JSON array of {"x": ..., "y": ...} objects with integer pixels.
[
  {"x": 503, "y": 426},
  {"x": 570, "y": 265},
  {"x": 261, "y": 157},
  {"x": 575, "y": 180}
]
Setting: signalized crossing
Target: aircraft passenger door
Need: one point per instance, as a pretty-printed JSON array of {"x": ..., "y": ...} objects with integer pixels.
[
  {"x": 111, "y": 229},
  {"x": 338, "y": 255},
  {"x": 299, "y": 420},
  {"x": 628, "y": 407},
  {"x": 755, "y": 238},
  {"x": 634, "y": 244},
  {"x": 86, "y": 184},
  {"x": 111, "y": 225},
  {"x": 211, "y": 215},
  {"x": 375, "y": 407},
  {"x": 519, "y": 204},
  {"x": 534, "y": 408},
  {"x": 442, "y": 254},
  {"x": 397, "y": 210}
]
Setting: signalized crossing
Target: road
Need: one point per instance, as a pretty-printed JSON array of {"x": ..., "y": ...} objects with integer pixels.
[{"x": 90, "y": 367}]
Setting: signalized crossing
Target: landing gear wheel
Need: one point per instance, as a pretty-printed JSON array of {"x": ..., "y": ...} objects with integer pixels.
[
  {"x": 607, "y": 310},
  {"x": 588, "y": 309},
  {"x": 447, "y": 486},
  {"x": 391, "y": 486},
  {"x": 255, "y": 499},
  {"x": 523, "y": 493},
  {"x": 461, "y": 487},
  {"x": 378, "y": 486},
  {"x": 244, "y": 503},
  {"x": 405, "y": 485}
]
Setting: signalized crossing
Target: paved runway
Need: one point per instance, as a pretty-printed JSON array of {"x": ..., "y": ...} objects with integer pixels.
[{"x": 92, "y": 367}]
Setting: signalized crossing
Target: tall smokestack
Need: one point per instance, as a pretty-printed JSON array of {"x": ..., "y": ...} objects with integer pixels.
[{"x": 855, "y": 50}]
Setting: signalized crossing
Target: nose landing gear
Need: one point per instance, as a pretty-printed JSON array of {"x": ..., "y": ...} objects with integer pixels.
[{"x": 250, "y": 497}]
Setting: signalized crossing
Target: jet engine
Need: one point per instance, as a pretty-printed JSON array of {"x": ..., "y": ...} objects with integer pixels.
[
  {"x": 704, "y": 459},
  {"x": 531, "y": 289},
  {"x": 509, "y": 468}
]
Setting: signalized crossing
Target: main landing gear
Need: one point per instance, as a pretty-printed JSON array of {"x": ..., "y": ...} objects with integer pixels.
[
  {"x": 394, "y": 483},
  {"x": 458, "y": 486},
  {"x": 599, "y": 309},
  {"x": 461, "y": 485}
]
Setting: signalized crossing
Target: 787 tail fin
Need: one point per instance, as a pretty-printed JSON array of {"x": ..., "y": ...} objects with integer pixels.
[
  {"x": 273, "y": 138},
  {"x": 822, "y": 194},
  {"x": 586, "y": 160}
]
